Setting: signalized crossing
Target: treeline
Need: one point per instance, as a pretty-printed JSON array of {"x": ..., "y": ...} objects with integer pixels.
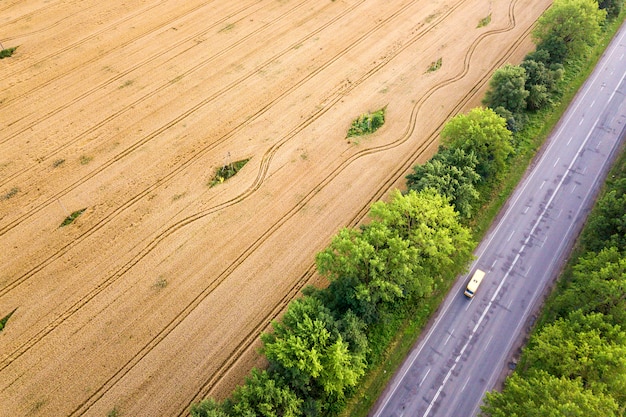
[
  {"x": 378, "y": 272},
  {"x": 575, "y": 361},
  {"x": 385, "y": 272}
]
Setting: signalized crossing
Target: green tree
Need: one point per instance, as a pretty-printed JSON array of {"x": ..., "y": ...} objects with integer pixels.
[
  {"x": 543, "y": 395},
  {"x": 481, "y": 132},
  {"x": 431, "y": 225},
  {"x": 382, "y": 263},
  {"x": 307, "y": 349},
  {"x": 584, "y": 346},
  {"x": 399, "y": 254},
  {"x": 569, "y": 26},
  {"x": 507, "y": 89},
  {"x": 607, "y": 226},
  {"x": 452, "y": 173},
  {"x": 264, "y": 395},
  {"x": 613, "y": 7},
  {"x": 541, "y": 81},
  {"x": 598, "y": 285}
]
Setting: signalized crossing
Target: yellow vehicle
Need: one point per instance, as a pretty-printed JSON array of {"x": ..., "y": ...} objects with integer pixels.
[{"x": 472, "y": 286}]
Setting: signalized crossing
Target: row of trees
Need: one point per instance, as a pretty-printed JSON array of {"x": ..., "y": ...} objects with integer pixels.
[
  {"x": 469, "y": 165},
  {"x": 473, "y": 155},
  {"x": 563, "y": 33},
  {"x": 322, "y": 346}
]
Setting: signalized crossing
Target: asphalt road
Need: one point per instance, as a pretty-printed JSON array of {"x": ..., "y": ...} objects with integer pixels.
[{"x": 470, "y": 341}]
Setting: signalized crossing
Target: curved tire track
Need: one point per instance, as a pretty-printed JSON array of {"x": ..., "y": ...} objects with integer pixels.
[{"x": 249, "y": 339}]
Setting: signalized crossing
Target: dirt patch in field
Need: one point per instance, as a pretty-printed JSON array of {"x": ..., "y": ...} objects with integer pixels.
[{"x": 154, "y": 297}]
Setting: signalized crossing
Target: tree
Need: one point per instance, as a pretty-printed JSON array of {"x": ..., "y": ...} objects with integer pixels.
[
  {"x": 613, "y": 7},
  {"x": 452, "y": 173},
  {"x": 398, "y": 255},
  {"x": 507, "y": 89},
  {"x": 538, "y": 97},
  {"x": 568, "y": 27},
  {"x": 483, "y": 133},
  {"x": 264, "y": 395},
  {"x": 584, "y": 346},
  {"x": 598, "y": 285},
  {"x": 428, "y": 221},
  {"x": 607, "y": 226},
  {"x": 376, "y": 263},
  {"x": 307, "y": 349},
  {"x": 543, "y": 395},
  {"x": 541, "y": 81}
]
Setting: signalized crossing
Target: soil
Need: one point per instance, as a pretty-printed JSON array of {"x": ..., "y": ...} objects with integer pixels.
[{"x": 155, "y": 296}]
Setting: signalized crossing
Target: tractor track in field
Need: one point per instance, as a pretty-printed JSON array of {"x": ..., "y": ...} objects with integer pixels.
[
  {"x": 146, "y": 139},
  {"x": 190, "y": 219},
  {"x": 163, "y": 180},
  {"x": 117, "y": 77},
  {"x": 100, "y": 32},
  {"x": 35, "y": 12},
  {"x": 408, "y": 162},
  {"x": 245, "y": 344}
]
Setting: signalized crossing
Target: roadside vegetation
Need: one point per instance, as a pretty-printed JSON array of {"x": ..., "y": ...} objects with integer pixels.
[{"x": 335, "y": 347}]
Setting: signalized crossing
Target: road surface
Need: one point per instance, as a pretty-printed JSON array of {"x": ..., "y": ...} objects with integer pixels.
[{"x": 463, "y": 353}]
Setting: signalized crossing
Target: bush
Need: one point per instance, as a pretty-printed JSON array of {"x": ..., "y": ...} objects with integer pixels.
[{"x": 367, "y": 123}]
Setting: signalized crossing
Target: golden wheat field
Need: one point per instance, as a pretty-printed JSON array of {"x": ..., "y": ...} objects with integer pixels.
[{"x": 155, "y": 296}]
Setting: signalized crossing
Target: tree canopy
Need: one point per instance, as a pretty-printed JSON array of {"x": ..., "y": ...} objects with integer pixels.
[
  {"x": 568, "y": 27},
  {"x": 544, "y": 395},
  {"x": 586, "y": 347},
  {"x": 452, "y": 173},
  {"x": 306, "y": 347},
  {"x": 484, "y": 133},
  {"x": 399, "y": 253},
  {"x": 507, "y": 89}
]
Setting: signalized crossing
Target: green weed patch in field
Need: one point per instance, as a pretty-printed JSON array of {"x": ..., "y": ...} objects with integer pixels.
[
  {"x": 484, "y": 21},
  {"x": 367, "y": 123},
  {"x": 6, "y": 318},
  {"x": 435, "y": 65},
  {"x": 227, "y": 171},
  {"x": 5, "y": 53},
  {"x": 11, "y": 193},
  {"x": 69, "y": 219}
]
